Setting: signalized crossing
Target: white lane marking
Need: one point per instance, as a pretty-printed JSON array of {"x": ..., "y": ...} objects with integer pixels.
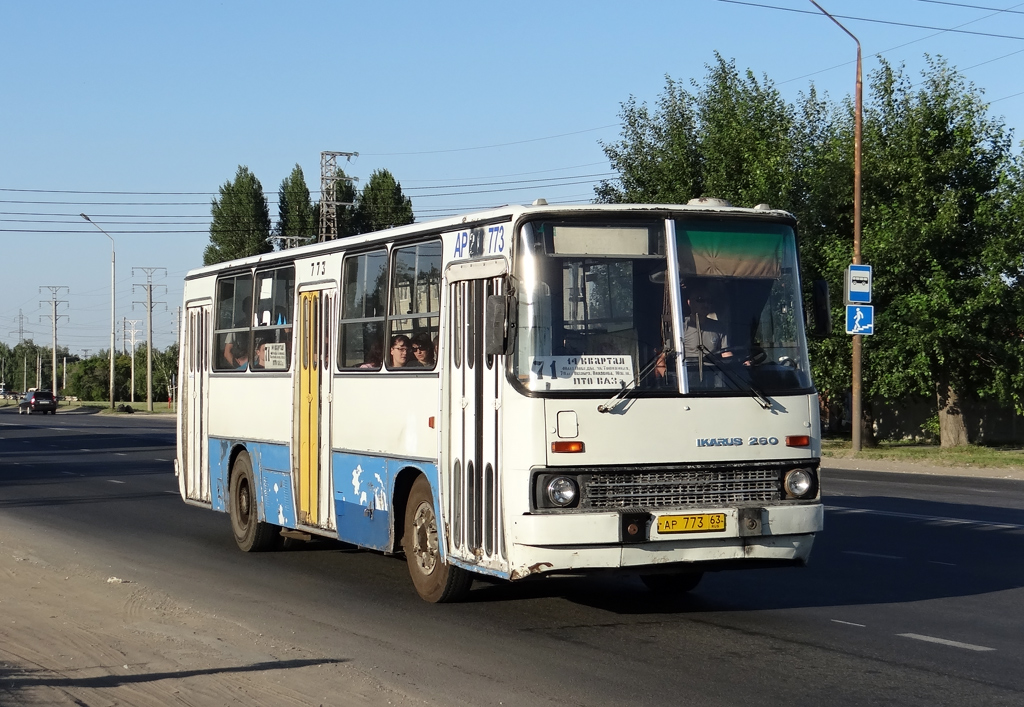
[
  {"x": 933, "y": 519},
  {"x": 872, "y": 554},
  {"x": 847, "y": 623},
  {"x": 162, "y": 460},
  {"x": 176, "y": 493},
  {"x": 69, "y": 473},
  {"x": 936, "y": 562},
  {"x": 84, "y": 450},
  {"x": 121, "y": 454},
  {"x": 115, "y": 481},
  {"x": 945, "y": 642}
]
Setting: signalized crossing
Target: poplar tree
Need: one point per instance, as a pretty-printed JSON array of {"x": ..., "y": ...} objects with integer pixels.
[
  {"x": 241, "y": 220},
  {"x": 382, "y": 204},
  {"x": 297, "y": 220}
]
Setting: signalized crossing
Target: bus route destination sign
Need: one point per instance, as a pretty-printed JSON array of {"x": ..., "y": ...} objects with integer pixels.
[{"x": 579, "y": 372}]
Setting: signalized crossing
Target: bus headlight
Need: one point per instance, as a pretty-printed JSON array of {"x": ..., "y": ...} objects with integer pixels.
[
  {"x": 800, "y": 483},
  {"x": 562, "y": 491}
]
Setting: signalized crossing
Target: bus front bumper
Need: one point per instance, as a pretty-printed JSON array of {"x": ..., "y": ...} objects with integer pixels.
[{"x": 550, "y": 543}]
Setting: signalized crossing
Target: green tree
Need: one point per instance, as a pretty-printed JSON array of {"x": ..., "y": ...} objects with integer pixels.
[
  {"x": 296, "y": 222},
  {"x": 732, "y": 139},
  {"x": 382, "y": 204},
  {"x": 939, "y": 179},
  {"x": 346, "y": 195},
  {"x": 943, "y": 206},
  {"x": 241, "y": 220}
]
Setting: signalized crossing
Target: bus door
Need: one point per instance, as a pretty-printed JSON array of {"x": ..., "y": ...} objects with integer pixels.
[
  {"x": 195, "y": 468},
  {"x": 312, "y": 397},
  {"x": 473, "y": 414}
]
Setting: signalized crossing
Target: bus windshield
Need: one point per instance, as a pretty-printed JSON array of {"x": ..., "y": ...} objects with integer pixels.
[{"x": 594, "y": 310}]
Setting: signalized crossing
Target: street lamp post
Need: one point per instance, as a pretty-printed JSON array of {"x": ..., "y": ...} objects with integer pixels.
[
  {"x": 856, "y": 362},
  {"x": 113, "y": 321}
]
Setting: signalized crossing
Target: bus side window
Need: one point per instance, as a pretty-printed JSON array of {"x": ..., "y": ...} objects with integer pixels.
[
  {"x": 415, "y": 308},
  {"x": 361, "y": 319},
  {"x": 234, "y": 321},
  {"x": 272, "y": 345}
]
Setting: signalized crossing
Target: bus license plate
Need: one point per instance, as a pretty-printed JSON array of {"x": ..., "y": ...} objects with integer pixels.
[{"x": 694, "y": 523}]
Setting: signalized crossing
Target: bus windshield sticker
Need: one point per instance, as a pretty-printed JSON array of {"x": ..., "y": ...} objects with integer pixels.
[{"x": 580, "y": 372}]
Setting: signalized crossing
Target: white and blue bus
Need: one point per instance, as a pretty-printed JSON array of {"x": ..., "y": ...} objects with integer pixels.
[{"x": 522, "y": 392}]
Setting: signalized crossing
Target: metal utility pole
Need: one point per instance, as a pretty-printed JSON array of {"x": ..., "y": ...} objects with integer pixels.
[
  {"x": 54, "y": 290},
  {"x": 149, "y": 331},
  {"x": 857, "y": 361},
  {"x": 21, "y": 327},
  {"x": 328, "y": 193},
  {"x": 133, "y": 322},
  {"x": 113, "y": 318}
]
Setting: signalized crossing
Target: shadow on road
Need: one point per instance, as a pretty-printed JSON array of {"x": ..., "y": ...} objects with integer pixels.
[{"x": 16, "y": 679}]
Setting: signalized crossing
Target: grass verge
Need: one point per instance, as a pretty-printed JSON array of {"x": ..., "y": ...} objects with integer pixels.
[{"x": 931, "y": 454}]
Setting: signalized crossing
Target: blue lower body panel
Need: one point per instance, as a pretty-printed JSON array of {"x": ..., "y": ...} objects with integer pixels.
[
  {"x": 364, "y": 487},
  {"x": 271, "y": 465}
]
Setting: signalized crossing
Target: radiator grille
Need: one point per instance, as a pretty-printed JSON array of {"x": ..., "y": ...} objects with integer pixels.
[{"x": 673, "y": 488}]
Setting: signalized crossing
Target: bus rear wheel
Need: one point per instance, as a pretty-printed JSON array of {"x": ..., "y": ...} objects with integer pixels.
[
  {"x": 251, "y": 534},
  {"x": 669, "y": 584},
  {"x": 434, "y": 579}
]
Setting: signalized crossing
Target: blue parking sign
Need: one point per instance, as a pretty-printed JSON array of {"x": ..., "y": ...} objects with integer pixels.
[{"x": 860, "y": 319}]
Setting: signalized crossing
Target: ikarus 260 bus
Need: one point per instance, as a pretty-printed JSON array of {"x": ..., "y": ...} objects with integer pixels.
[{"x": 523, "y": 392}]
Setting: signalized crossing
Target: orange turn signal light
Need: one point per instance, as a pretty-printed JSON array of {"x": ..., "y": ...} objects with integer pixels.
[
  {"x": 798, "y": 441},
  {"x": 566, "y": 447}
]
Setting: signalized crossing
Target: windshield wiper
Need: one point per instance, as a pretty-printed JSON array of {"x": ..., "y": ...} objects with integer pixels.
[
  {"x": 635, "y": 383},
  {"x": 763, "y": 400}
]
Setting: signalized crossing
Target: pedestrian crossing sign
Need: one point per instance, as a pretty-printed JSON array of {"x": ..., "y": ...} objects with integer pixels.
[{"x": 860, "y": 319}]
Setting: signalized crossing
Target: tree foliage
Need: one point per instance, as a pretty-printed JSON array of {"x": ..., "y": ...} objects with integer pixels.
[
  {"x": 297, "y": 219},
  {"x": 382, "y": 204},
  {"x": 241, "y": 220},
  {"x": 731, "y": 139},
  {"x": 943, "y": 215}
]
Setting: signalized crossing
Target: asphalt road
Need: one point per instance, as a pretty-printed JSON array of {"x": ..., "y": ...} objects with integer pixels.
[{"x": 914, "y": 596}]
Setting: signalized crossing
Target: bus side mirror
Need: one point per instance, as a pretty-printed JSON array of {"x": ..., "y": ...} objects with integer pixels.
[
  {"x": 821, "y": 308},
  {"x": 499, "y": 325}
]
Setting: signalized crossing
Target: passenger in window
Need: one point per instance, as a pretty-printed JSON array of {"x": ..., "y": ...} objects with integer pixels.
[
  {"x": 399, "y": 351},
  {"x": 259, "y": 354},
  {"x": 373, "y": 356},
  {"x": 422, "y": 351},
  {"x": 236, "y": 344}
]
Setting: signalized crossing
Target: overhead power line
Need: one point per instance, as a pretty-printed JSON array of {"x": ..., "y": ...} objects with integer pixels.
[
  {"x": 877, "y": 21},
  {"x": 488, "y": 147},
  {"x": 971, "y": 7}
]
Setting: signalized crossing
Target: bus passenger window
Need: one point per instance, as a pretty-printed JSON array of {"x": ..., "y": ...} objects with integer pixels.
[
  {"x": 361, "y": 326},
  {"x": 275, "y": 290},
  {"x": 234, "y": 320},
  {"x": 415, "y": 307}
]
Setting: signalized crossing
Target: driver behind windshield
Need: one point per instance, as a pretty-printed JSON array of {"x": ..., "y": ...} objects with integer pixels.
[{"x": 702, "y": 324}]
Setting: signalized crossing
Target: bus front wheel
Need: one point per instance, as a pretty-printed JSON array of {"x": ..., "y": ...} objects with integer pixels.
[
  {"x": 251, "y": 534},
  {"x": 434, "y": 579}
]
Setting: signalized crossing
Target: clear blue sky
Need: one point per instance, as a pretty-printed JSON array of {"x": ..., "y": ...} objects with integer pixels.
[{"x": 169, "y": 98}]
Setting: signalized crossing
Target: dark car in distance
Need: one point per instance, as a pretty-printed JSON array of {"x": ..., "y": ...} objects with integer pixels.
[{"x": 38, "y": 401}]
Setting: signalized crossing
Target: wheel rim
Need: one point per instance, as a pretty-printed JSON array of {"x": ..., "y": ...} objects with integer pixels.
[
  {"x": 244, "y": 507},
  {"x": 424, "y": 534}
]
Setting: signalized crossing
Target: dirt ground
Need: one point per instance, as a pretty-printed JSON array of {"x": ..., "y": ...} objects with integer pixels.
[{"x": 72, "y": 635}]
